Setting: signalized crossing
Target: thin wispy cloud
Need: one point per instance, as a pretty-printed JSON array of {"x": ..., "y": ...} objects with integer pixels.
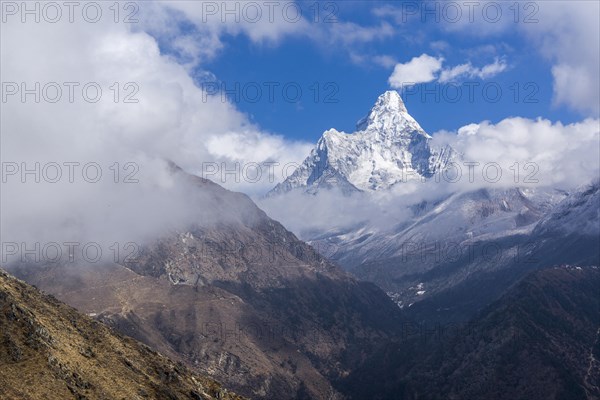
[
  {"x": 468, "y": 71},
  {"x": 426, "y": 68}
]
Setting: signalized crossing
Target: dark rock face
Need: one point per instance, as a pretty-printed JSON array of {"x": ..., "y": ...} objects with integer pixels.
[{"x": 539, "y": 341}]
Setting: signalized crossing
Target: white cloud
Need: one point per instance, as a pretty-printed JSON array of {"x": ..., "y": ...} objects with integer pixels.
[
  {"x": 564, "y": 155},
  {"x": 256, "y": 155},
  {"x": 568, "y": 34},
  {"x": 420, "y": 69},
  {"x": 450, "y": 74},
  {"x": 173, "y": 119},
  {"x": 576, "y": 87},
  {"x": 469, "y": 71},
  {"x": 194, "y": 31},
  {"x": 542, "y": 153},
  {"x": 426, "y": 68},
  {"x": 214, "y": 20},
  {"x": 306, "y": 214}
]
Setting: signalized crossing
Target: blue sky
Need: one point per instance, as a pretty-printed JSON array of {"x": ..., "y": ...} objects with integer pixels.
[
  {"x": 348, "y": 80},
  {"x": 176, "y": 50}
]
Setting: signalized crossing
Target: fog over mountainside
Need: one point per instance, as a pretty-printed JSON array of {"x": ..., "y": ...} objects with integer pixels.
[
  {"x": 83, "y": 171},
  {"x": 458, "y": 222},
  {"x": 379, "y": 176},
  {"x": 241, "y": 299}
]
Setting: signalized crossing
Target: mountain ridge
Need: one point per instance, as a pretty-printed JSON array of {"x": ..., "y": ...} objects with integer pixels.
[
  {"x": 240, "y": 299},
  {"x": 540, "y": 340},
  {"x": 388, "y": 147}
]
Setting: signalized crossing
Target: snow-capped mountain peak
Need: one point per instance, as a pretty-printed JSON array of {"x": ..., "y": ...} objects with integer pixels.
[
  {"x": 389, "y": 116},
  {"x": 388, "y": 147}
]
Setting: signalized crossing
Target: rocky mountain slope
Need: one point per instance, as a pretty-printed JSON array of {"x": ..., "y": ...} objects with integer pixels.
[
  {"x": 462, "y": 286},
  {"x": 239, "y": 298},
  {"x": 49, "y": 351},
  {"x": 541, "y": 340},
  {"x": 454, "y": 220}
]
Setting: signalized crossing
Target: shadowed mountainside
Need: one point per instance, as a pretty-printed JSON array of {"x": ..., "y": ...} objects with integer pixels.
[
  {"x": 541, "y": 340},
  {"x": 50, "y": 351},
  {"x": 240, "y": 299}
]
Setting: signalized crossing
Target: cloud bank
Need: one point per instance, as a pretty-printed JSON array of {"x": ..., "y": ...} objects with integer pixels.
[
  {"x": 90, "y": 114},
  {"x": 515, "y": 152}
]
